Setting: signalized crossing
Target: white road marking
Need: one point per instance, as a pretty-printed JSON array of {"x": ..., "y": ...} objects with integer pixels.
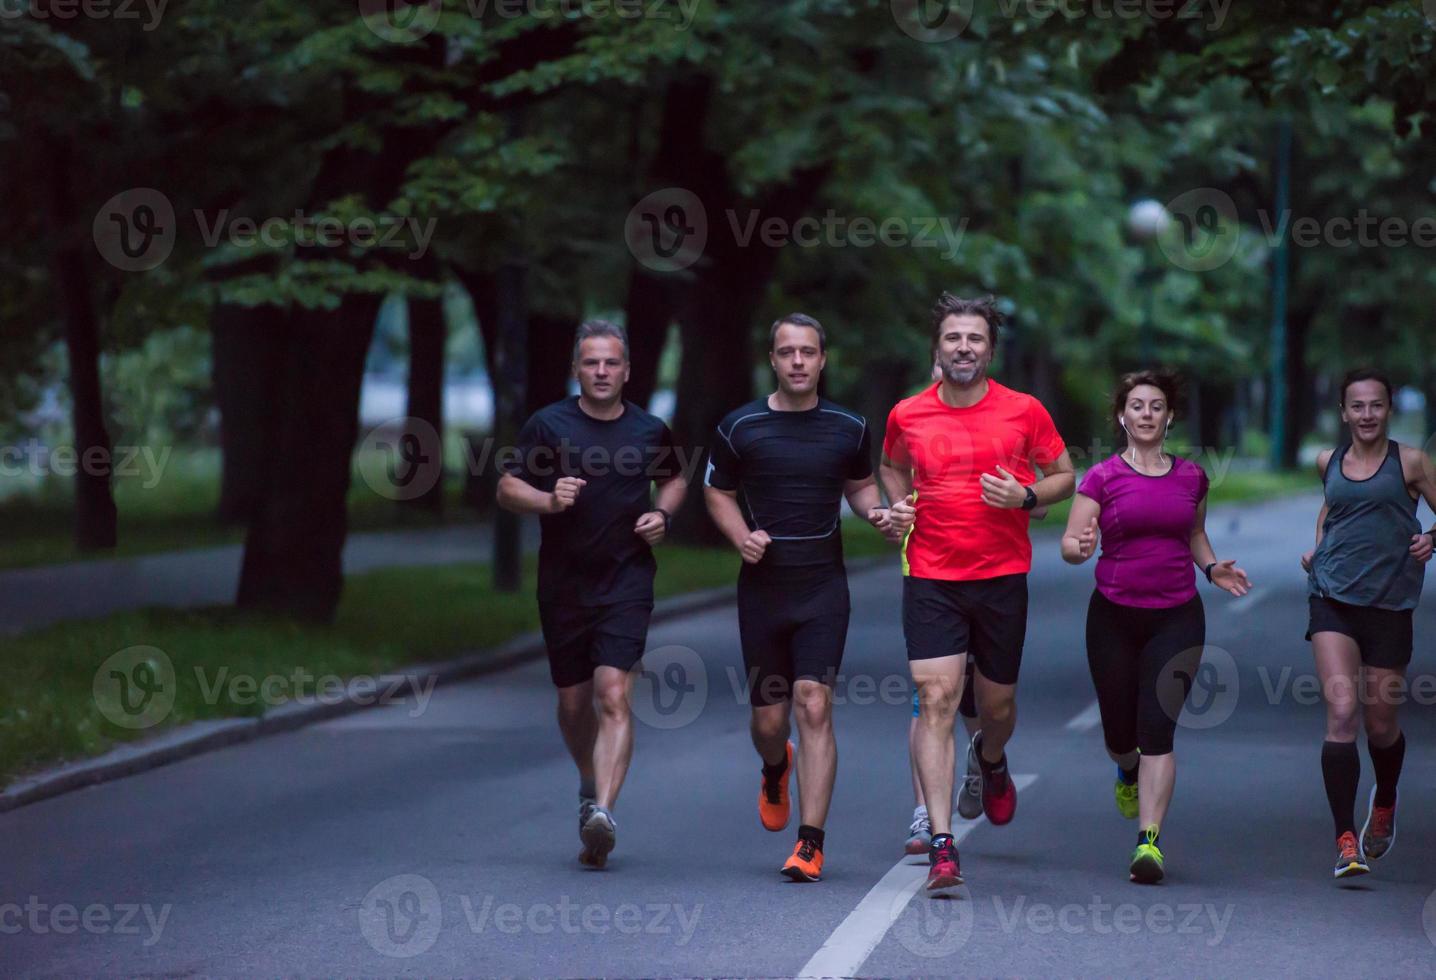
[
  {"x": 852, "y": 942},
  {"x": 1088, "y": 719}
]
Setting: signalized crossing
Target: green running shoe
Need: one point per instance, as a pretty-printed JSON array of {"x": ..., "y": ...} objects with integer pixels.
[
  {"x": 1126, "y": 797},
  {"x": 1147, "y": 866}
]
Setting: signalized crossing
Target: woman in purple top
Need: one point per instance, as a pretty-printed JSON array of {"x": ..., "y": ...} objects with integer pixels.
[{"x": 1146, "y": 627}]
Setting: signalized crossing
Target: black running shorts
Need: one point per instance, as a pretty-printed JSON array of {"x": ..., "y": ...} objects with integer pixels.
[
  {"x": 1385, "y": 636},
  {"x": 580, "y": 638},
  {"x": 986, "y": 618},
  {"x": 793, "y": 622}
]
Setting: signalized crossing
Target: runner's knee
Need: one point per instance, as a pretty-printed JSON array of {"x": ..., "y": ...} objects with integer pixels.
[{"x": 813, "y": 703}]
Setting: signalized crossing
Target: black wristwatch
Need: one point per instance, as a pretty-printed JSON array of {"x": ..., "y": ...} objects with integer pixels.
[
  {"x": 1031, "y": 500},
  {"x": 667, "y": 517},
  {"x": 1208, "y": 570}
]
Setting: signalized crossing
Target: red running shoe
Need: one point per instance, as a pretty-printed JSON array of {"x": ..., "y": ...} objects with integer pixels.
[
  {"x": 943, "y": 871},
  {"x": 999, "y": 796}
]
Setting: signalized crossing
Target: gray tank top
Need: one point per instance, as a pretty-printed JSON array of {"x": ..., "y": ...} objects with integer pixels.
[{"x": 1364, "y": 557}]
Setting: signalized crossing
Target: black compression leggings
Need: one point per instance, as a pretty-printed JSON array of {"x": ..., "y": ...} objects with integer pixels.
[{"x": 1142, "y": 663}]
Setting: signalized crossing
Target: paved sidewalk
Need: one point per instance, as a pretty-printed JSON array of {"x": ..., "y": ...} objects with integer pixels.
[{"x": 35, "y": 597}]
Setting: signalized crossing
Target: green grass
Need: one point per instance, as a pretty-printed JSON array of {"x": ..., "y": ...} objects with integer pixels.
[
  {"x": 172, "y": 507},
  {"x": 388, "y": 618}
]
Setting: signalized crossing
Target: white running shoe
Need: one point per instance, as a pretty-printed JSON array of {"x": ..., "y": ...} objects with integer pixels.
[
  {"x": 969, "y": 794},
  {"x": 919, "y": 834}
]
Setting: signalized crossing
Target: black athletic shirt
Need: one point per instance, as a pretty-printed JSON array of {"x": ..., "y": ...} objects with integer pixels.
[
  {"x": 589, "y": 555},
  {"x": 788, "y": 469}
]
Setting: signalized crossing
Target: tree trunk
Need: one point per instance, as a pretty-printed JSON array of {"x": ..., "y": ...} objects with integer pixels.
[
  {"x": 294, "y": 550},
  {"x": 422, "y": 468},
  {"x": 653, "y": 299},
  {"x": 480, "y": 478},
  {"x": 550, "y": 360},
  {"x": 511, "y": 371},
  {"x": 96, "y": 519},
  {"x": 648, "y": 313},
  {"x": 245, "y": 343},
  {"x": 719, "y": 305}
]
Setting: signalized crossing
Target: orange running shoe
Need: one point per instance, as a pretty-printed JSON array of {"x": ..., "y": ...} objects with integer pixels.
[
  {"x": 1349, "y": 859},
  {"x": 774, "y": 808},
  {"x": 806, "y": 864}
]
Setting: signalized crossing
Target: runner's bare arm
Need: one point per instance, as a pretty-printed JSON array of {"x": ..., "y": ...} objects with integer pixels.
[
  {"x": 896, "y": 480},
  {"x": 1225, "y": 574},
  {"x": 519, "y": 497},
  {"x": 864, "y": 499},
  {"x": 1079, "y": 541},
  {"x": 1323, "y": 459},
  {"x": 671, "y": 494},
  {"x": 1421, "y": 477},
  {"x": 1059, "y": 480}
]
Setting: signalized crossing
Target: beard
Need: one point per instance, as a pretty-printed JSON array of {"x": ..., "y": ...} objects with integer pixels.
[{"x": 963, "y": 373}]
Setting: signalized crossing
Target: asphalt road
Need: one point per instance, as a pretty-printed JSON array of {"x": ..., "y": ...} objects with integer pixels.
[{"x": 442, "y": 841}]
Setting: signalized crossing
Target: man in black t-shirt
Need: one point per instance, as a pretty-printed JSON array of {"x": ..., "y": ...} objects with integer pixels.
[
  {"x": 777, "y": 475},
  {"x": 587, "y": 465}
]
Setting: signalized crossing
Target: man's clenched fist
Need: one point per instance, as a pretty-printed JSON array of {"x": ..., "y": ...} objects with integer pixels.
[
  {"x": 565, "y": 492},
  {"x": 755, "y": 546}
]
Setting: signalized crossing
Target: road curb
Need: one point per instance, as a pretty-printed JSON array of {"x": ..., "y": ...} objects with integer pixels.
[{"x": 200, "y": 737}]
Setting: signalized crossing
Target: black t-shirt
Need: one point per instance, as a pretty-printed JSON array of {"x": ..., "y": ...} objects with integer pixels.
[
  {"x": 589, "y": 555},
  {"x": 789, "y": 469}
]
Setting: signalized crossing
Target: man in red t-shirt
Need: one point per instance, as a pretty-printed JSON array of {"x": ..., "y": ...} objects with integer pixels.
[{"x": 965, "y": 453}]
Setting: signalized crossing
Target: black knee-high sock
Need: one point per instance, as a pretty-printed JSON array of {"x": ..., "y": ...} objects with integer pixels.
[
  {"x": 1341, "y": 769},
  {"x": 1387, "y": 763}
]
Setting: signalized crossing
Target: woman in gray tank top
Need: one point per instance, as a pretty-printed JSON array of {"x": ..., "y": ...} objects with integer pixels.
[{"x": 1365, "y": 579}]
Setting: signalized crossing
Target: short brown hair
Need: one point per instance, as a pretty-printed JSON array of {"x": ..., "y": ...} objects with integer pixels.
[
  {"x": 949, "y": 305},
  {"x": 798, "y": 320},
  {"x": 1167, "y": 382}
]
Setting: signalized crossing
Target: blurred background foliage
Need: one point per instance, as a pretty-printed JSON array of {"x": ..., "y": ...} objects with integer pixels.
[{"x": 524, "y": 140}]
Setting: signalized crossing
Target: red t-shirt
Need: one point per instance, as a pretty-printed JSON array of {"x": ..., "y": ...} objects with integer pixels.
[{"x": 956, "y": 536}]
